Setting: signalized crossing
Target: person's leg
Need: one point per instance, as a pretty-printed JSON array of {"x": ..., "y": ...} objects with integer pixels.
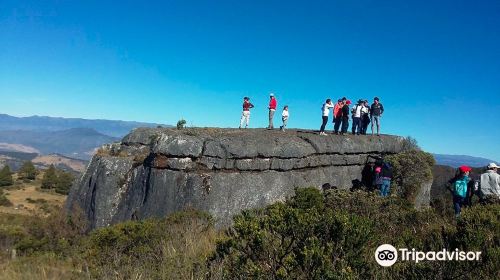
[
  {"x": 378, "y": 125},
  {"x": 242, "y": 119},
  {"x": 457, "y": 205},
  {"x": 247, "y": 119},
  {"x": 345, "y": 124},
  {"x": 323, "y": 124},
  {"x": 360, "y": 128},
  {"x": 387, "y": 187},
  {"x": 336, "y": 127},
  {"x": 354, "y": 123},
  {"x": 373, "y": 122}
]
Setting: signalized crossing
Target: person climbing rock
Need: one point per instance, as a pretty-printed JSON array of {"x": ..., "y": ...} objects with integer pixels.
[
  {"x": 386, "y": 177},
  {"x": 245, "y": 115},
  {"x": 325, "y": 110},
  {"x": 273, "y": 103},
  {"x": 376, "y": 111},
  {"x": 284, "y": 117}
]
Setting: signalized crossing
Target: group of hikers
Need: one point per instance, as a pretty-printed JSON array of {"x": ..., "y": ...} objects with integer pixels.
[
  {"x": 362, "y": 115},
  {"x": 463, "y": 187}
]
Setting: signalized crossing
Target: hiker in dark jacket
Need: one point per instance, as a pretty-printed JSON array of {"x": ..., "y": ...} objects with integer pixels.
[
  {"x": 376, "y": 111},
  {"x": 345, "y": 117},
  {"x": 386, "y": 177}
]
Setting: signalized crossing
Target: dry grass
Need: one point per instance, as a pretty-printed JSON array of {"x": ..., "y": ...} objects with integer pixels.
[
  {"x": 77, "y": 165},
  {"x": 40, "y": 267},
  {"x": 22, "y": 192}
]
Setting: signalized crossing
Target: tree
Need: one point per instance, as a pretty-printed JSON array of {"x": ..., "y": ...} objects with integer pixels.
[
  {"x": 49, "y": 179},
  {"x": 27, "y": 171},
  {"x": 6, "y": 177},
  {"x": 64, "y": 182}
]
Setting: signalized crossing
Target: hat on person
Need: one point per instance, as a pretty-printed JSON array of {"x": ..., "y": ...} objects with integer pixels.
[
  {"x": 348, "y": 102},
  {"x": 271, "y": 94},
  {"x": 464, "y": 168},
  {"x": 493, "y": 165}
]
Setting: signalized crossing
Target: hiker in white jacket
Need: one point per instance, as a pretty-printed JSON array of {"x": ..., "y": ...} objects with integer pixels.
[
  {"x": 326, "y": 111},
  {"x": 284, "y": 117},
  {"x": 490, "y": 182}
]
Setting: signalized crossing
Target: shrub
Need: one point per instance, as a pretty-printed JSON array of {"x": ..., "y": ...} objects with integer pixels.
[
  {"x": 49, "y": 179},
  {"x": 4, "y": 201},
  {"x": 173, "y": 248},
  {"x": 412, "y": 169},
  {"x": 181, "y": 123}
]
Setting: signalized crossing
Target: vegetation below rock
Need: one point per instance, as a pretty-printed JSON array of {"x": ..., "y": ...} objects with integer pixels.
[{"x": 313, "y": 235}]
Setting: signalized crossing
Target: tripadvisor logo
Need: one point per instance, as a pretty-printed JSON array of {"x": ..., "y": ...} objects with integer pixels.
[{"x": 386, "y": 255}]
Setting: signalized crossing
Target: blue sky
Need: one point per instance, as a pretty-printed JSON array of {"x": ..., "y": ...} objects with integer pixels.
[{"x": 434, "y": 64}]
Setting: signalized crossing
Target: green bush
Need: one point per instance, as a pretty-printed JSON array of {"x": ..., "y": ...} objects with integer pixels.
[
  {"x": 28, "y": 171},
  {"x": 6, "y": 177},
  {"x": 334, "y": 236},
  {"x": 181, "y": 123},
  {"x": 4, "y": 201},
  {"x": 173, "y": 248},
  {"x": 411, "y": 169}
]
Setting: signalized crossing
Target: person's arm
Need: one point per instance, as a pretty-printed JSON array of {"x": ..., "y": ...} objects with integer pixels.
[
  {"x": 250, "y": 105},
  {"x": 371, "y": 110},
  {"x": 381, "y": 109}
]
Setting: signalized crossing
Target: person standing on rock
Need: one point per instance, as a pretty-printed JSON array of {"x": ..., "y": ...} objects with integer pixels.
[
  {"x": 345, "y": 117},
  {"x": 337, "y": 115},
  {"x": 376, "y": 111},
  {"x": 245, "y": 115},
  {"x": 284, "y": 117},
  {"x": 325, "y": 110},
  {"x": 365, "y": 117},
  {"x": 272, "y": 108},
  {"x": 357, "y": 111}
]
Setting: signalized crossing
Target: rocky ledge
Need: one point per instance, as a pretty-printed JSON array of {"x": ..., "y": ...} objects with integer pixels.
[{"x": 154, "y": 172}]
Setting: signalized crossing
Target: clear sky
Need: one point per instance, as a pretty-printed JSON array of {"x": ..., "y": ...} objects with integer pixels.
[{"x": 434, "y": 64}]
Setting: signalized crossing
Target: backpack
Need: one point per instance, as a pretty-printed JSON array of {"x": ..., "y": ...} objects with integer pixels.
[{"x": 460, "y": 188}]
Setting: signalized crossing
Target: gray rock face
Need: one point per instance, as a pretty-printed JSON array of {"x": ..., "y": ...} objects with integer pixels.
[{"x": 154, "y": 172}]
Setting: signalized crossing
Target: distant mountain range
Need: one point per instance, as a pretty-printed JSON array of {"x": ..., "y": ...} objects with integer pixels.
[
  {"x": 40, "y": 123},
  {"x": 458, "y": 160},
  {"x": 69, "y": 137}
]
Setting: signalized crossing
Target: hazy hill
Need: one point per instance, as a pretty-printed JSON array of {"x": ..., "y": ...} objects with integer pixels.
[
  {"x": 76, "y": 142},
  {"x": 40, "y": 123},
  {"x": 458, "y": 160}
]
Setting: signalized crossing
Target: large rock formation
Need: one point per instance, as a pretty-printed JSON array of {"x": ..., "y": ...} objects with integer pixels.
[{"x": 154, "y": 172}]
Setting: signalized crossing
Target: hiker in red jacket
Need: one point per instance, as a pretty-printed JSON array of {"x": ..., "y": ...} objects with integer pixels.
[
  {"x": 272, "y": 108},
  {"x": 245, "y": 115}
]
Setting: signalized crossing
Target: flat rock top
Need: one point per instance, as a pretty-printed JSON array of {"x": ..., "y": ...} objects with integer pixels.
[{"x": 254, "y": 143}]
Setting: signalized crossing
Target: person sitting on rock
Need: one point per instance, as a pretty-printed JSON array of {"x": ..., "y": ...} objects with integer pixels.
[
  {"x": 490, "y": 182},
  {"x": 284, "y": 117},
  {"x": 245, "y": 115},
  {"x": 325, "y": 110}
]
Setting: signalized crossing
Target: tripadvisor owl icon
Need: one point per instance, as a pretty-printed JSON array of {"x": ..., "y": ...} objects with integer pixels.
[{"x": 386, "y": 255}]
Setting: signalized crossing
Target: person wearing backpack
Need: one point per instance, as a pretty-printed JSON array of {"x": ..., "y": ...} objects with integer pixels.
[
  {"x": 245, "y": 115},
  {"x": 490, "y": 182},
  {"x": 459, "y": 188}
]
